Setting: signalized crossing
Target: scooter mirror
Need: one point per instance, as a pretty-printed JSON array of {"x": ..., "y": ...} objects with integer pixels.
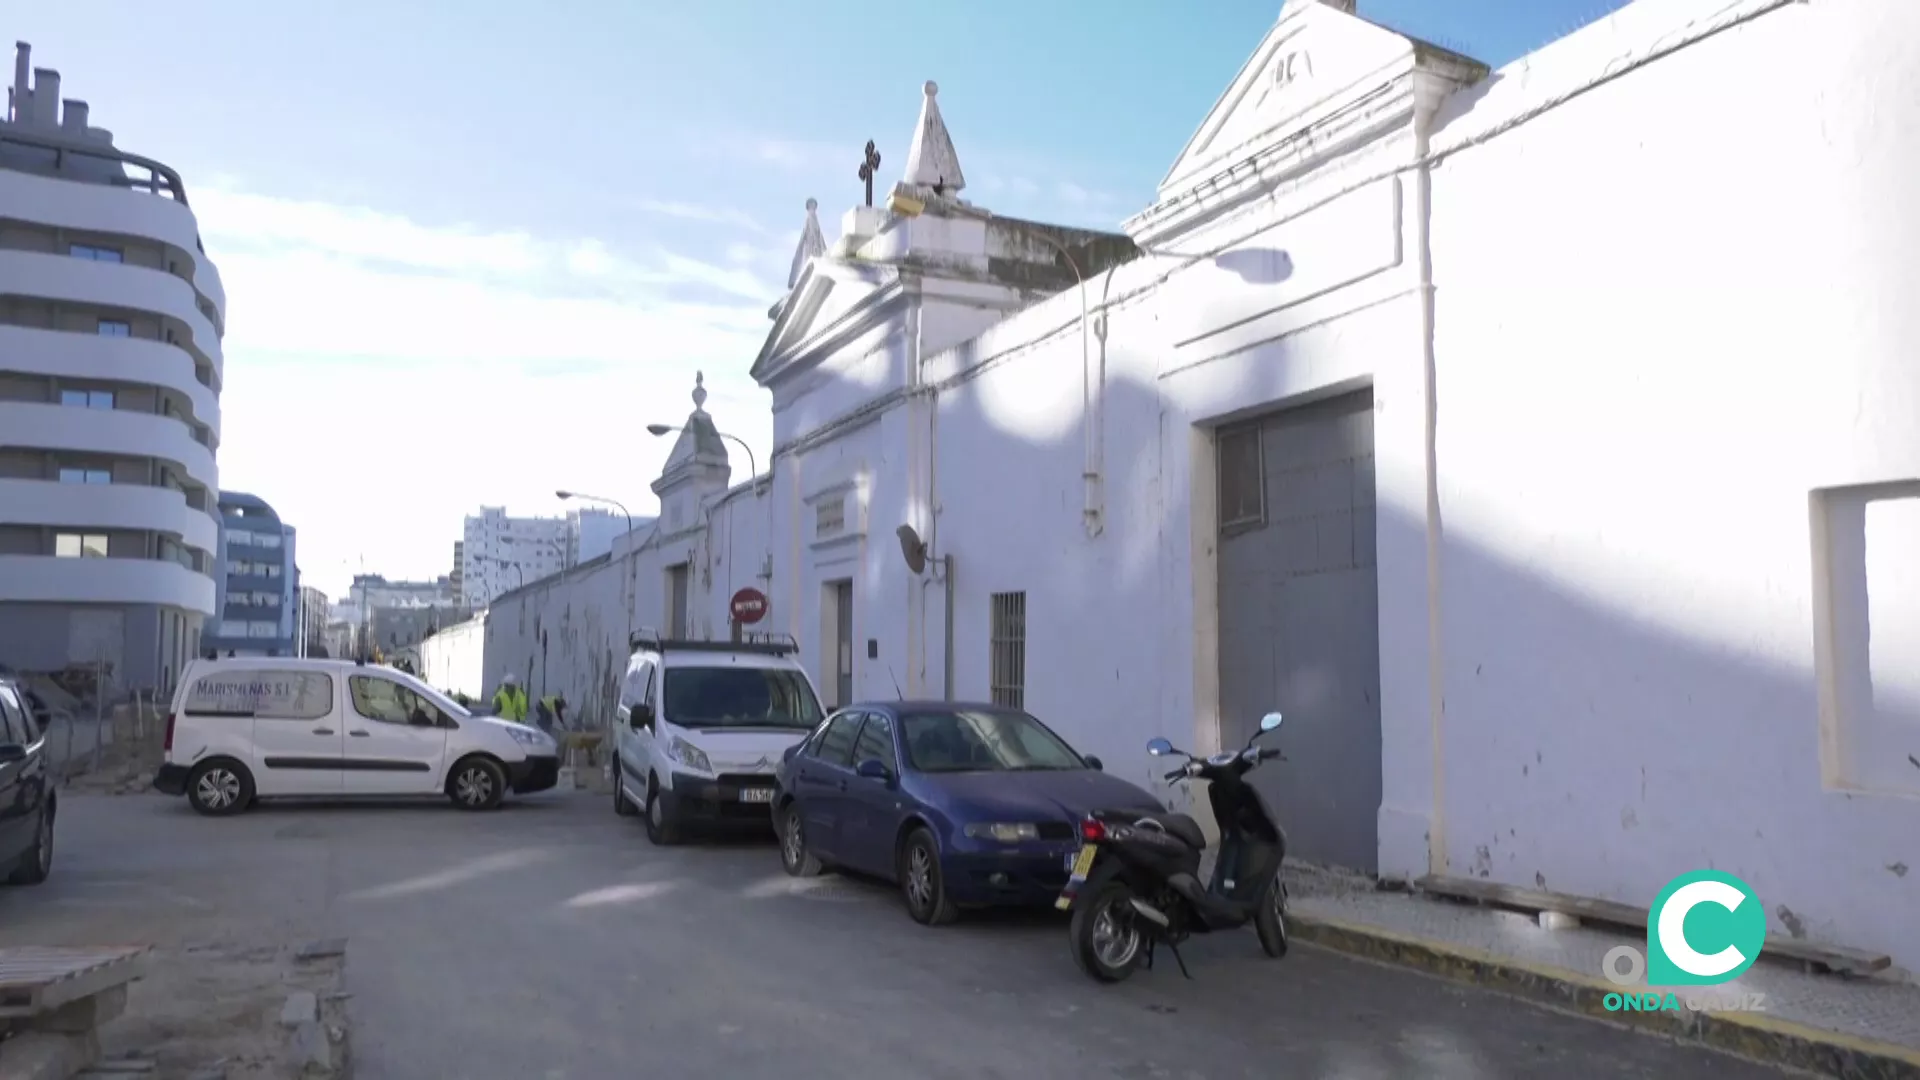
[
  {"x": 1157, "y": 747},
  {"x": 1271, "y": 721}
]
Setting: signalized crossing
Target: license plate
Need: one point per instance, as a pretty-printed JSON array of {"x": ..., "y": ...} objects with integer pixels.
[
  {"x": 1080, "y": 865},
  {"x": 756, "y": 794}
]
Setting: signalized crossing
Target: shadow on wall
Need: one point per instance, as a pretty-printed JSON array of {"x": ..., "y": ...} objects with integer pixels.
[{"x": 1589, "y": 751}]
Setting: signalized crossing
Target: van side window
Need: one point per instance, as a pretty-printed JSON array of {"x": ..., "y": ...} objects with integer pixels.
[
  {"x": 390, "y": 703},
  {"x": 262, "y": 694}
]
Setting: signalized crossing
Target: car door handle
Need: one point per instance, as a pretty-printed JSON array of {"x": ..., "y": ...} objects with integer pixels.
[
  {"x": 843, "y": 785},
  {"x": 358, "y": 734},
  {"x": 323, "y": 731}
]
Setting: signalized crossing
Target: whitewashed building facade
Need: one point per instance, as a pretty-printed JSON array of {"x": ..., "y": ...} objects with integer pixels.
[{"x": 1539, "y": 440}]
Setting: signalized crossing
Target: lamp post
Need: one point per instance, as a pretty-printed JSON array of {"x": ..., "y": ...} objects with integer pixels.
[{"x": 627, "y": 577}]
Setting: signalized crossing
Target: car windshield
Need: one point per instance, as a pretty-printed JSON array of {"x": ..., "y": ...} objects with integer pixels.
[
  {"x": 738, "y": 697},
  {"x": 984, "y": 740}
]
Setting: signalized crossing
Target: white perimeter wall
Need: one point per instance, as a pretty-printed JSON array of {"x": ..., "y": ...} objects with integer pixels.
[{"x": 1668, "y": 311}]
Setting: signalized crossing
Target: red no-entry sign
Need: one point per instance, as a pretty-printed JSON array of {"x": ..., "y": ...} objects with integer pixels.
[{"x": 748, "y": 606}]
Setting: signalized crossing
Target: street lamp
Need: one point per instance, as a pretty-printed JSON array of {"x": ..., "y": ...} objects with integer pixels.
[
  {"x": 628, "y": 576},
  {"x": 752, "y": 463}
]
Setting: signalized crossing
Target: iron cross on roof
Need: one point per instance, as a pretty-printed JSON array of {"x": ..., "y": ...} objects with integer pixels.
[{"x": 869, "y": 167}]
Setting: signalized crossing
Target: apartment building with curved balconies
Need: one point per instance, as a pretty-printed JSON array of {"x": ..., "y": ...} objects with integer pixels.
[{"x": 111, "y": 317}]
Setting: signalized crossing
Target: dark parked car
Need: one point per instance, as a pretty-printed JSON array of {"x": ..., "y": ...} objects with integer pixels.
[
  {"x": 960, "y": 804},
  {"x": 26, "y": 793}
]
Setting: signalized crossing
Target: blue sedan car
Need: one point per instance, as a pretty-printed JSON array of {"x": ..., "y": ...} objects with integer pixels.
[{"x": 960, "y": 804}]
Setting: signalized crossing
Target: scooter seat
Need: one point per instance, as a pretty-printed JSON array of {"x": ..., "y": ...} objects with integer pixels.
[{"x": 1181, "y": 826}]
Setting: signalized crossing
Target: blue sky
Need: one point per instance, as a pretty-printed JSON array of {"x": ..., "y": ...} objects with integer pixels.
[{"x": 471, "y": 247}]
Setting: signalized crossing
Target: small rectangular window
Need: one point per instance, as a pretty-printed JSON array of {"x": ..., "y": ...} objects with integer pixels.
[
  {"x": 87, "y": 399},
  {"x": 115, "y": 328},
  {"x": 1007, "y": 670},
  {"x": 96, "y": 253},
  {"x": 1242, "y": 476},
  {"x": 85, "y": 476},
  {"x": 263, "y": 629},
  {"x": 80, "y": 545}
]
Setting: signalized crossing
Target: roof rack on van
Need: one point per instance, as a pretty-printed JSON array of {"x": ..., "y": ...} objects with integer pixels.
[{"x": 767, "y": 643}]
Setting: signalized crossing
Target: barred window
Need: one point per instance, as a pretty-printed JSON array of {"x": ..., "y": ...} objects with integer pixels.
[{"x": 1007, "y": 673}]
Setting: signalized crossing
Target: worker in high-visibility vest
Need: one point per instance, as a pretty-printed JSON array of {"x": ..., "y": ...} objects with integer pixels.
[
  {"x": 510, "y": 702},
  {"x": 551, "y": 712}
]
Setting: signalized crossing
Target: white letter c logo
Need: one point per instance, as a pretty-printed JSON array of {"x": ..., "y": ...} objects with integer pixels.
[{"x": 1673, "y": 928}]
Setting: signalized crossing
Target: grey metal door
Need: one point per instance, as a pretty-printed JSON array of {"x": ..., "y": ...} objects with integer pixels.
[
  {"x": 1299, "y": 618},
  {"x": 843, "y": 642}
]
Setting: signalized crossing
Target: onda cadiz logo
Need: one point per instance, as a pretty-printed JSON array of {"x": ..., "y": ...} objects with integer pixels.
[{"x": 1704, "y": 929}]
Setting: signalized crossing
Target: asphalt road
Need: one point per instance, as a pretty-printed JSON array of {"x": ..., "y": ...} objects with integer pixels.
[{"x": 550, "y": 940}]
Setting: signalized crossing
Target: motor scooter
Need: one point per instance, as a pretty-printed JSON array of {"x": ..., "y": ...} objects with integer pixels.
[{"x": 1136, "y": 881}]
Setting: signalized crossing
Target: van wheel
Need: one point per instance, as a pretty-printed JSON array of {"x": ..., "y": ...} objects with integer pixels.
[
  {"x": 220, "y": 788},
  {"x": 477, "y": 784},
  {"x": 622, "y": 805},
  {"x": 662, "y": 829}
]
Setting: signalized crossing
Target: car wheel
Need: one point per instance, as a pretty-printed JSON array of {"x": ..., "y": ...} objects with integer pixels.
[
  {"x": 477, "y": 784},
  {"x": 219, "y": 788},
  {"x": 1270, "y": 919},
  {"x": 662, "y": 829},
  {"x": 794, "y": 853},
  {"x": 36, "y": 863},
  {"x": 622, "y": 805},
  {"x": 922, "y": 883}
]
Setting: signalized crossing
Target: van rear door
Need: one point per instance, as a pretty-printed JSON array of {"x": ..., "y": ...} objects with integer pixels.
[{"x": 283, "y": 722}]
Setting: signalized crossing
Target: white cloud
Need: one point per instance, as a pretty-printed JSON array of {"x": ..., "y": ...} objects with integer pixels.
[
  {"x": 386, "y": 378},
  {"x": 714, "y": 215}
]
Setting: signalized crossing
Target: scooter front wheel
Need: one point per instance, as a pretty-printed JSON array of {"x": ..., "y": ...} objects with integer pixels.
[
  {"x": 1270, "y": 919},
  {"x": 1107, "y": 940}
]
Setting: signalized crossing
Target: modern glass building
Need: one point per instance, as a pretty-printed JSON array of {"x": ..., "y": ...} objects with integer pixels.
[{"x": 259, "y": 602}]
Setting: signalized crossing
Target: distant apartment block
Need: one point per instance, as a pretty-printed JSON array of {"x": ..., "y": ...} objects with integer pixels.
[
  {"x": 259, "y": 581},
  {"x": 315, "y": 613},
  {"x": 111, "y": 317},
  {"x": 499, "y": 553}
]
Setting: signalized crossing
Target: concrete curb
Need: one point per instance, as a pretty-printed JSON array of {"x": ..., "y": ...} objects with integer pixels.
[{"x": 1749, "y": 1035}]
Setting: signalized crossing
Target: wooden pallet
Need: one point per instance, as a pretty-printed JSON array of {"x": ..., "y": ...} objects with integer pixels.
[
  {"x": 1816, "y": 958},
  {"x": 36, "y": 979}
]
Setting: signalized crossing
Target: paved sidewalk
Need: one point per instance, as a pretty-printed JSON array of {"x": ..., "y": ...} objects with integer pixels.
[{"x": 1833, "y": 1025}]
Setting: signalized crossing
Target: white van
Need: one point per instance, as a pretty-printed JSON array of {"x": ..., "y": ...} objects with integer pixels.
[
  {"x": 265, "y": 727},
  {"x": 701, "y": 725}
]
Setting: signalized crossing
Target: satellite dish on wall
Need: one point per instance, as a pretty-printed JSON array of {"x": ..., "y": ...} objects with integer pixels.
[{"x": 912, "y": 548}]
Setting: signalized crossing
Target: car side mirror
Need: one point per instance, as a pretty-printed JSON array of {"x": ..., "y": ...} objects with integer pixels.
[
  {"x": 874, "y": 769},
  {"x": 12, "y": 752},
  {"x": 1093, "y": 762},
  {"x": 640, "y": 716}
]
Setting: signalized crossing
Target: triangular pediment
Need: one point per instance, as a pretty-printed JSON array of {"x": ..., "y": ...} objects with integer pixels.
[
  {"x": 1314, "y": 56},
  {"x": 828, "y": 292}
]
